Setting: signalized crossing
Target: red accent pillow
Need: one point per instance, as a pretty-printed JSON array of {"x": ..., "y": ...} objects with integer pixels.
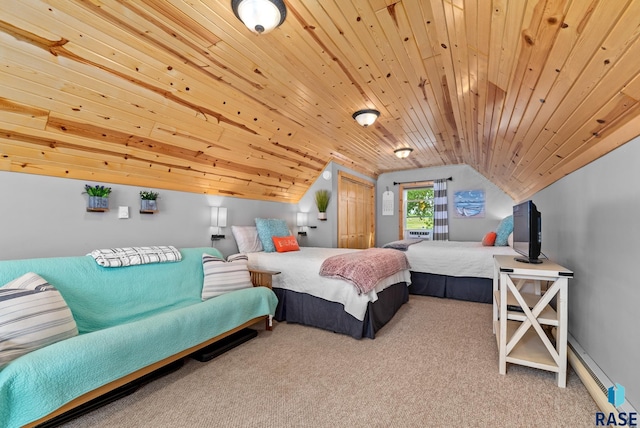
[
  {"x": 489, "y": 239},
  {"x": 285, "y": 243}
]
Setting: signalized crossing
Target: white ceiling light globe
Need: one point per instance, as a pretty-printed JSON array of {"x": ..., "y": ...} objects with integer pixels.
[{"x": 260, "y": 16}]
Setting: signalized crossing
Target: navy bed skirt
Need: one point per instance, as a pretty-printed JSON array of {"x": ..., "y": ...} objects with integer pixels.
[
  {"x": 452, "y": 287},
  {"x": 313, "y": 311}
]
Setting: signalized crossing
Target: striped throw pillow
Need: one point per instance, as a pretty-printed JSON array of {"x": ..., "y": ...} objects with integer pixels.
[
  {"x": 222, "y": 276},
  {"x": 33, "y": 314}
]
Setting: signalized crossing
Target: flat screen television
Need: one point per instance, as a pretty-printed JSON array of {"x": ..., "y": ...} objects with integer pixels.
[{"x": 527, "y": 232}]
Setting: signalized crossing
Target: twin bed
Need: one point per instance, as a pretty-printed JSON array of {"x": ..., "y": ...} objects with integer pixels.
[
  {"x": 332, "y": 304},
  {"x": 454, "y": 269}
]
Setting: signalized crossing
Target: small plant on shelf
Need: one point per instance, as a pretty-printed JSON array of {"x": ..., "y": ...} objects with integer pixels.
[
  {"x": 148, "y": 195},
  {"x": 98, "y": 197},
  {"x": 323, "y": 197},
  {"x": 99, "y": 191},
  {"x": 148, "y": 201}
]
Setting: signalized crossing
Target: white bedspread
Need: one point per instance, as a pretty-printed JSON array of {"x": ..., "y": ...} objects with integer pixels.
[
  {"x": 300, "y": 272},
  {"x": 455, "y": 258}
]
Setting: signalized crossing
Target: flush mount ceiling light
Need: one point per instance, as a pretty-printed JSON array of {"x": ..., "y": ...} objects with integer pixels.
[
  {"x": 403, "y": 152},
  {"x": 260, "y": 16},
  {"x": 366, "y": 117}
]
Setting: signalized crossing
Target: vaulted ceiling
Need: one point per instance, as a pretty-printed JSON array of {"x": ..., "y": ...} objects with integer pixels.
[{"x": 178, "y": 94}]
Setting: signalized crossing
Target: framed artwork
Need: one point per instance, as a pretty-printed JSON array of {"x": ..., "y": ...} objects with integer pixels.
[{"x": 469, "y": 204}]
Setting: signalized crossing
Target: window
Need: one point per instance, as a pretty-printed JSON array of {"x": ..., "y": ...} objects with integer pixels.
[{"x": 418, "y": 208}]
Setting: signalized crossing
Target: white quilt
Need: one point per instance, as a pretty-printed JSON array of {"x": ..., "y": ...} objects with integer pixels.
[
  {"x": 455, "y": 258},
  {"x": 299, "y": 272}
]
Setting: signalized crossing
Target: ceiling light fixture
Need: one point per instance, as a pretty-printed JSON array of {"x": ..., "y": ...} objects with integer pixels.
[
  {"x": 260, "y": 16},
  {"x": 403, "y": 152},
  {"x": 366, "y": 117}
]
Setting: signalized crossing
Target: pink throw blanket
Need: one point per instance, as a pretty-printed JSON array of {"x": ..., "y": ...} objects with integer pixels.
[{"x": 366, "y": 268}]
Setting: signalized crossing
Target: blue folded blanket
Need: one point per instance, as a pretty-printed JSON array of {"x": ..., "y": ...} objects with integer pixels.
[{"x": 402, "y": 245}]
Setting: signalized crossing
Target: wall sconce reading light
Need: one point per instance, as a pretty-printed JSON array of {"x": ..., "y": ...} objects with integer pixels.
[
  {"x": 403, "y": 152},
  {"x": 302, "y": 221},
  {"x": 366, "y": 117},
  {"x": 260, "y": 16},
  {"x": 218, "y": 221}
]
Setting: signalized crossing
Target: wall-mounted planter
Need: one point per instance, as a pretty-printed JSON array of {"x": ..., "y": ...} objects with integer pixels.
[
  {"x": 322, "y": 197},
  {"x": 98, "y": 198},
  {"x": 148, "y": 203},
  {"x": 148, "y": 206},
  {"x": 98, "y": 204}
]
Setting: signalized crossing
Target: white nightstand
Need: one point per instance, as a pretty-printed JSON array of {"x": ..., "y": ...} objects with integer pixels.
[{"x": 519, "y": 316}]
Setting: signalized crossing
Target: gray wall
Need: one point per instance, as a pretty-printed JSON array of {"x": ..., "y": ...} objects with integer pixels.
[
  {"x": 243, "y": 212},
  {"x": 498, "y": 203},
  {"x": 46, "y": 217},
  {"x": 590, "y": 225}
]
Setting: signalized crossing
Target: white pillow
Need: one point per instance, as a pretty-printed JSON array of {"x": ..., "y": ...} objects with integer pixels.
[
  {"x": 33, "y": 314},
  {"x": 222, "y": 276},
  {"x": 247, "y": 239},
  {"x": 510, "y": 240}
]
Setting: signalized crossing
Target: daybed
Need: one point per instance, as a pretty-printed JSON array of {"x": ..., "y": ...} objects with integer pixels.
[
  {"x": 131, "y": 321},
  {"x": 453, "y": 269}
]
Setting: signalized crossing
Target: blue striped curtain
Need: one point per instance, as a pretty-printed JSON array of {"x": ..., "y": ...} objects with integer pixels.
[{"x": 440, "y": 216}]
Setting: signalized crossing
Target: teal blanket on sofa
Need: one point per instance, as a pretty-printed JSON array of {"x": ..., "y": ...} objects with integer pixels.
[{"x": 128, "y": 318}]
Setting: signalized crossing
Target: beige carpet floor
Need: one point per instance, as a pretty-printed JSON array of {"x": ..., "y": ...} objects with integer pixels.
[{"x": 435, "y": 364}]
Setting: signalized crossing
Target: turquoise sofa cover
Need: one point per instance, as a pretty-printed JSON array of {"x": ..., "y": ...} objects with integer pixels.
[{"x": 128, "y": 318}]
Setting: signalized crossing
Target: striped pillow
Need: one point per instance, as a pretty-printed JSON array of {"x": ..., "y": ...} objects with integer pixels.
[
  {"x": 33, "y": 314},
  {"x": 222, "y": 276}
]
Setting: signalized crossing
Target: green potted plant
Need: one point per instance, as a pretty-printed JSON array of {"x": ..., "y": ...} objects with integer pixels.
[
  {"x": 323, "y": 197},
  {"x": 98, "y": 197},
  {"x": 148, "y": 200}
]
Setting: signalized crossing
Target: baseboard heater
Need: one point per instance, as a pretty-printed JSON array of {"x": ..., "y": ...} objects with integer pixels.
[{"x": 594, "y": 379}]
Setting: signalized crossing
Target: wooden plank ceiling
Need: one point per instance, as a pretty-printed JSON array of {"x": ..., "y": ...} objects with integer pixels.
[{"x": 178, "y": 94}]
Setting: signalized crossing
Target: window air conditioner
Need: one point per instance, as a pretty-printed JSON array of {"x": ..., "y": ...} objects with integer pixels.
[{"x": 418, "y": 234}]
